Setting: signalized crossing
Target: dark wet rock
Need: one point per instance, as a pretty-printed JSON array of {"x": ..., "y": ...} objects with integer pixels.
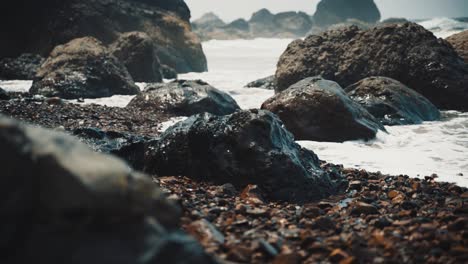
[
  {"x": 247, "y": 147},
  {"x": 137, "y": 52},
  {"x": 82, "y": 68},
  {"x": 40, "y": 26},
  {"x": 61, "y": 200},
  {"x": 331, "y": 12},
  {"x": 460, "y": 43},
  {"x": 364, "y": 208},
  {"x": 268, "y": 83},
  {"x": 4, "y": 95},
  {"x": 168, "y": 72},
  {"x": 391, "y": 102},
  {"x": 405, "y": 52},
  {"x": 319, "y": 110},
  {"x": 128, "y": 147},
  {"x": 184, "y": 98},
  {"x": 22, "y": 68},
  {"x": 394, "y": 20}
]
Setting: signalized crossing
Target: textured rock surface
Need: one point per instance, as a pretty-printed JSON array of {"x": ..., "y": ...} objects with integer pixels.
[
  {"x": 331, "y": 12},
  {"x": 391, "y": 102},
  {"x": 460, "y": 43},
  {"x": 82, "y": 68},
  {"x": 319, "y": 110},
  {"x": 62, "y": 201},
  {"x": 247, "y": 147},
  {"x": 137, "y": 52},
  {"x": 39, "y": 26},
  {"x": 22, "y": 68},
  {"x": 268, "y": 83},
  {"x": 184, "y": 98},
  {"x": 405, "y": 52}
]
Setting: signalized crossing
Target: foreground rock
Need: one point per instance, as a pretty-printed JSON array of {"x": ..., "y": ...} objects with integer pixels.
[
  {"x": 405, "y": 52},
  {"x": 167, "y": 22},
  {"x": 319, "y": 110},
  {"x": 331, "y": 12},
  {"x": 391, "y": 102},
  {"x": 247, "y": 147},
  {"x": 60, "y": 200},
  {"x": 22, "y": 68},
  {"x": 82, "y": 68},
  {"x": 137, "y": 52},
  {"x": 4, "y": 95},
  {"x": 268, "y": 83},
  {"x": 460, "y": 43},
  {"x": 184, "y": 98}
]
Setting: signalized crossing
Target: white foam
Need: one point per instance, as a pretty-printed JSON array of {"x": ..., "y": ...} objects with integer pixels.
[
  {"x": 16, "y": 85},
  {"x": 444, "y": 27}
]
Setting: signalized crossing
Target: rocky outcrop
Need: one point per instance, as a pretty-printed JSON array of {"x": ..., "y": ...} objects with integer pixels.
[
  {"x": 247, "y": 147},
  {"x": 4, "y": 95},
  {"x": 40, "y": 26},
  {"x": 184, "y": 98},
  {"x": 137, "y": 52},
  {"x": 62, "y": 201},
  {"x": 319, "y": 110},
  {"x": 168, "y": 73},
  {"x": 460, "y": 43},
  {"x": 208, "y": 21},
  {"x": 268, "y": 83},
  {"x": 391, "y": 102},
  {"x": 22, "y": 68},
  {"x": 331, "y": 12},
  {"x": 82, "y": 68},
  {"x": 405, "y": 52}
]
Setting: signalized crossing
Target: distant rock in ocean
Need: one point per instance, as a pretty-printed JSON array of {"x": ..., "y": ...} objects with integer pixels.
[{"x": 330, "y": 12}]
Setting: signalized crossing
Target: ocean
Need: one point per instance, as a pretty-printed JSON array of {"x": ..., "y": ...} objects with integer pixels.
[{"x": 417, "y": 150}]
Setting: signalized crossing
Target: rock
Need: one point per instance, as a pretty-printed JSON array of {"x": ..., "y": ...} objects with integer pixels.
[
  {"x": 391, "y": 102},
  {"x": 268, "y": 83},
  {"x": 394, "y": 20},
  {"x": 405, "y": 52},
  {"x": 297, "y": 23},
  {"x": 319, "y": 110},
  {"x": 331, "y": 12},
  {"x": 185, "y": 98},
  {"x": 460, "y": 43},
  {"x": 61, "y": 200},
  {"x": 82, "y": 68},
  {"x": 137, "y": 52},
  {"x": 238, "y": 24},
  {"x": 364, "y": 208},
  {"x": 205, "y": 232},
  {"x": 208, "y": 21},
  {"x": 247, "y": 147},
  {"x": 168, "y": 72},
  {"x": 167, "y": 22},
  {"x": 4, "y": 95},
  {"x": 22, "y": 68}
]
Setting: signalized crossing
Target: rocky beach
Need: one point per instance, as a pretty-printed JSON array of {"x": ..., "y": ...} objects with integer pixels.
[{"x": 133, "y": 133}]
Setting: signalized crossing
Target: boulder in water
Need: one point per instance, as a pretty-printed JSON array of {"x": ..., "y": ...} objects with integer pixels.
[
  {"x": 137, "y": 52},
  {"x": 185, "y": 98},
  {"x": 247, "y": 147},
  {"x": 22, "y": 68},
  {"x": 82, "y": 68},
  {"x": 268, "y": 83},
  {"x": 391, "y": 102},
  {"x": 319, "y": 110},
  {"x": 405, "y": 52},
  {"x": 460, "y": 43},
  {"x": 331, "y": 12}
]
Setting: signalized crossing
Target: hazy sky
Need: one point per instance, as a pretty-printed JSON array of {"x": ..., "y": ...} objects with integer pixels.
[{"x": 233, "y": 9}]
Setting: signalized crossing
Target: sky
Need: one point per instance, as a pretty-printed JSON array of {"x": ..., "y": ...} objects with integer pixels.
[{"x": 230, "y": 10}]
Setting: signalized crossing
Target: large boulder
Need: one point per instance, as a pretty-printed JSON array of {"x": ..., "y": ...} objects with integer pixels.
[
  {"x": 460, "y": 43},
  {"x": 247, "y": 147},
  {"x": 184, "y": 98},
  {"x": 30, "y": 26},
  {"x": 137, "y": 52},
  {"x": 405, "y": 52},
  {"x": 62, "y": 202},
  {"x": 331, "y": 12},
  {"x": 391, "y": 102},
  {"x": 82, "y": 68},
  {"x": 319, "y": 110},
  {"x": 22, "y": 68},
  {"x": 268, "y": 83}
]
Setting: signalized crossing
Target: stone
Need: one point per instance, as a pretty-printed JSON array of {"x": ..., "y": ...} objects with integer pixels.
[
  {"x": 82, "y": 68},
  {"x": 247, "y": 147},
  {"x": 331, "y": 12},
  {"x": 23, "y": 67},
  {"x": 168, "y": 72},
  {"x": 185, "y": 98},
  {"x": 268, "y": 83},
  {"x": 460, "y": 43},
  {"x": 319, "y": 110},
  {"x": 405, "y": 52},
  {"x": 137, "y": 52},
  {"x": 392, "y": 102},
  {"x": 4, "y": 95},
  {"x": 364, "y": 208}
]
